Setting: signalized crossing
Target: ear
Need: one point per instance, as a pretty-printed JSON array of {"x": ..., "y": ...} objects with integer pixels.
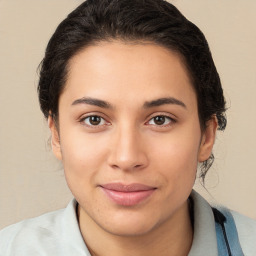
[
  {"x": 55, "y": 139},
  {"x": 208, "y": 139}
]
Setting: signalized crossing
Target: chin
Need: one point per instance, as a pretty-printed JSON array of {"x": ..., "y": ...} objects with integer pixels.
[
  {"x": 129, "y": 229},
  {"x": 129, "y": 224}
]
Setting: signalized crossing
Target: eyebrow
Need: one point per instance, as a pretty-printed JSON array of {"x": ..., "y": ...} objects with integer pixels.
[
  {"x": 93, "y": 102},
  {"x": 147, "y": 104},
  {"x": 163, "y": 101}
]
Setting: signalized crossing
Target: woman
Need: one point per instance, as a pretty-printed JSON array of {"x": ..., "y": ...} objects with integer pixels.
[{"x": 133, "y": 101}]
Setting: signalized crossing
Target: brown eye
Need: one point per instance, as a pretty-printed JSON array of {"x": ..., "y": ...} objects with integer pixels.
[
  {"x": 160, "y": 120},
  {"x": 94, "y": 121}
]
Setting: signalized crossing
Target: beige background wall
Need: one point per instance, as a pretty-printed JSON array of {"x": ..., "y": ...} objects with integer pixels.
[{"x": 32, "y": 182}]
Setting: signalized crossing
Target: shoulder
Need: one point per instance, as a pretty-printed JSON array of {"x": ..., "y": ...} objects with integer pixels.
[
  {"x": 205, "y": 223},
  {"x": 54, "y": 233},
  {"x": 246, "y": 229},
  {"x": 29, "y": 233}
]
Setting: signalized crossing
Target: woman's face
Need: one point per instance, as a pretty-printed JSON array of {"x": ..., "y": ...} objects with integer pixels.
[{"x": 129, "y": 135}]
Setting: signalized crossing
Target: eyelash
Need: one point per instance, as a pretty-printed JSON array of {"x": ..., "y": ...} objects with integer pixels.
[
  {"x": 171, "y": 121},
  {"x": 82, "y": 121},
  {"x": 166, "y": 117}
]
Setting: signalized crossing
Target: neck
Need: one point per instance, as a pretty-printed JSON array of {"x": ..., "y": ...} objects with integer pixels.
[{"x": 172, "y": 237}]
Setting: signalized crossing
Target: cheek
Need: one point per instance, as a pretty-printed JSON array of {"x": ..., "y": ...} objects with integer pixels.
[
  {"x": 176, "y": 155},
  {"x": 83, "y": 155}
]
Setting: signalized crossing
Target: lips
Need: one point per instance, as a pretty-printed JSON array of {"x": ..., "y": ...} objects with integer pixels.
[{"x": 127, "y": 195}]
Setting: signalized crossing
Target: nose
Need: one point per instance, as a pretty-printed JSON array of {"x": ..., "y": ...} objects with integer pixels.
[{"x": 128, "y": 151}]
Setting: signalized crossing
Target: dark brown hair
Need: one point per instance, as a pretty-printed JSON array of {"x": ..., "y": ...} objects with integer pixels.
[{"x": 155, "y": 21}]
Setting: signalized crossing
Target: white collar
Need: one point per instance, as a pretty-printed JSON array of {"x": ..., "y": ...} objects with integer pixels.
[{"x": 204, "y": 239}]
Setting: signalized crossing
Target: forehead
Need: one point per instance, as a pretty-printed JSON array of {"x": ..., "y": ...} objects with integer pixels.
[{"x": 116, "y": 71}]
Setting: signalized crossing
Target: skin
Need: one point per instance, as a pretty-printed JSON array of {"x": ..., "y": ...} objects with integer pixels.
[{"x": 129, "y": 146}]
